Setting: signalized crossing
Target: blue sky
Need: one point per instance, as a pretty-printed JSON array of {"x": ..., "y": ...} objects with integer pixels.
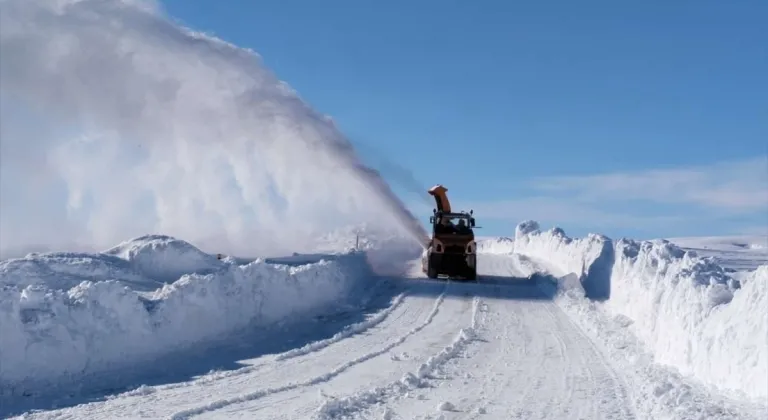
[{"x": 639, "y": 119}]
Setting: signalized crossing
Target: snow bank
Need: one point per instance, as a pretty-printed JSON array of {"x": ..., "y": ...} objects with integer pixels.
[
  {"x": 164, "y": 258},
  {"x": 687, "y": 311},
  {"x": 682, "y": 305},
  {"x": 735, "y": 339},
  {"x": 53, "y": 332},
  {"x": 65, "y": 270},
  {"x": 658, "y": 392},
  {"x": 144, "y": 263},
  {"x": 388, "y": 251},
  {"x": 589, "y": 258},
  {"x": 502, "y": 245}
]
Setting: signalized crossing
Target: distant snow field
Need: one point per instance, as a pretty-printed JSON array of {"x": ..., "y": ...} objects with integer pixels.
[
  {"x": 637, "y": 329},
  {"x": 738, "y": 253}
]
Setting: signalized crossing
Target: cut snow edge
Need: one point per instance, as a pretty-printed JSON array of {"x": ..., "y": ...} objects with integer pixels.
[
  {"x": 55, "y": 332},
  {"x": 687, "y": 310}
]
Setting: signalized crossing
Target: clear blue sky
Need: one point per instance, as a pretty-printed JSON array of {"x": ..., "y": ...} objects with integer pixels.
[{"x": 493, "y": 98}]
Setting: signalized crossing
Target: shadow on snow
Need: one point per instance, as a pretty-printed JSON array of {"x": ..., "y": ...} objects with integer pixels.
[
  {"x": 226, "y": 354},
  {"x": 232, "y": 352},
  {"x": 487, "y": 286}
]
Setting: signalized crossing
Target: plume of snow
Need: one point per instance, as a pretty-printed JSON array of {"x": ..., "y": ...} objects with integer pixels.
[{"x": 118, "y": 122}]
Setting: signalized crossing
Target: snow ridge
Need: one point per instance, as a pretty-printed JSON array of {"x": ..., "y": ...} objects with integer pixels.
[
  {"x": 164, "y": 258},
  {"x": 53, "y": 337},
  {"x": 216, "y": 405},
  {"x": 334, "y": 407},
  {"x": 65, "y": 270},
  {"x": 686, "y": 310},
  {"x": 589, "y": 258}
]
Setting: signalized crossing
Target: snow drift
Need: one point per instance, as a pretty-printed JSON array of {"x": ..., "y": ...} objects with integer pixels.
[
  {"x": 687, "y": 310},
  {"x": 164, "y": 258},
  {"x": 64, "y": 317}
]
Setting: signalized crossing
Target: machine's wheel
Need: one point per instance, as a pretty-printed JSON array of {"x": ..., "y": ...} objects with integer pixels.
[
  {"x": 431, "y": 271},
  {"x": 472, "y": 274}
]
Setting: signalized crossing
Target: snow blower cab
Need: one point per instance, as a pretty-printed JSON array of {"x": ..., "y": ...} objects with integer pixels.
[{"x": 451, "y": 249}]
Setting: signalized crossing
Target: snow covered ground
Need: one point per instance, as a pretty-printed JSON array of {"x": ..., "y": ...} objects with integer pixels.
[
  {"x": 67, "y": 319},
  {"x": 155, "y": 327},
  {"x": 556, "y": 327},
  {"x": 687, "y": 310},
  {"x": 737, "y": 253}
]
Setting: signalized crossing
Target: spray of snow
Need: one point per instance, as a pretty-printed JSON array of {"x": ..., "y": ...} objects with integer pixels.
[
  {"x": 51, "y": 336},
  {"x": 688, "y": 312},
  {"x": 147, "y": 126}
]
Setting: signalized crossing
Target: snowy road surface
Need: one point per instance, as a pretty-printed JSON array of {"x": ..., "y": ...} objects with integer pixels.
[{"x": 499, "y": 349}]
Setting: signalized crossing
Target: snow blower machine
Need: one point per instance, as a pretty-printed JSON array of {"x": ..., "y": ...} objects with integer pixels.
[{"x": 451, "y": 251}]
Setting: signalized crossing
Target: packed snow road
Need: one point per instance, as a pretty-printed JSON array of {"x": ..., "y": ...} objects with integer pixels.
[{"x": 497, "y": 349}]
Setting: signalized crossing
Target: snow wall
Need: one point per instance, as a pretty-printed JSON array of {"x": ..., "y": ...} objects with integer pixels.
[
  {"x": 500, "y": 245},
  {"x": 687, "y": 310},
  {"x": 65, "y": 316}
]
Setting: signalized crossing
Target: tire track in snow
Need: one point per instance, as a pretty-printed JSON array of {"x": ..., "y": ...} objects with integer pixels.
[
  {"x": 357, "y": 402},
  {"x": 219, "y": 404},
  {"x": 476, "y": 408},
  {"x": 606, "y": 391},
  {"x": 531, "y": 364},
  {"x": 353, "y": 329},
  {"x": 357, "y": 328},
  {"x": 607, "y": 374},
  {"x": 517, "y": 339},
  {"x": 564, "y": 352}
]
